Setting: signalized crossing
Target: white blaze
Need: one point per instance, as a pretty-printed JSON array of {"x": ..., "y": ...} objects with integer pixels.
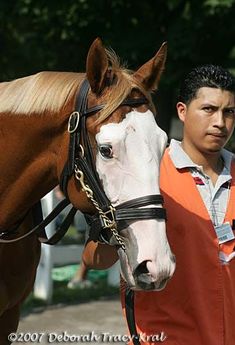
[{"x": 133, "y": 171}]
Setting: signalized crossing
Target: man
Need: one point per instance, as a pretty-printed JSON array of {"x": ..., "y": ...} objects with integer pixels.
[{"x": 197, "y": 307}]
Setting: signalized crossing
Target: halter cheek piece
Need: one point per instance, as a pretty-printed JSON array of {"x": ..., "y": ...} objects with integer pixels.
[{"x": 108, "y": 221}]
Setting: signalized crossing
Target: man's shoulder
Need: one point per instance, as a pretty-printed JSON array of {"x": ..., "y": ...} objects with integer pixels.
[{"x": 228, "y": 157}]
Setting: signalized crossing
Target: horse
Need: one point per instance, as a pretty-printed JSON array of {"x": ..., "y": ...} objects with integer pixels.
[{"x": 39, "y": 118}]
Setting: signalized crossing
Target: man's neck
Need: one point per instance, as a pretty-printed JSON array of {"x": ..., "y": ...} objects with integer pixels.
[{"x": 211, "y": 162}]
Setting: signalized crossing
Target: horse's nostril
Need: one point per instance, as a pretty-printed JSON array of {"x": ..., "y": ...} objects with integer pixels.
[
  {"x": 142, "y": 276},
  {"x": 141, "y": 268},
  {"x": 146, "y": 280}
]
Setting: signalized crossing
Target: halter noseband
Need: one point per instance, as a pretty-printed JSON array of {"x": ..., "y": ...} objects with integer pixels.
[{"x": 108, "y": 220}]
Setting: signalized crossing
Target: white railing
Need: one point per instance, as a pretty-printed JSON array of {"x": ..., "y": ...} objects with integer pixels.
[{"x": 60, "y": 255}]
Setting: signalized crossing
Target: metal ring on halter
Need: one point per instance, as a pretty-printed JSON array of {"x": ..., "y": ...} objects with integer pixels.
[
  {"x": 82, "y": 152},
  {"x": 72, "y": 128}
]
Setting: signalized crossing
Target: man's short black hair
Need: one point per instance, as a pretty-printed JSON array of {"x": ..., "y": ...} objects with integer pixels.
[{"x": 205, "y": 76}]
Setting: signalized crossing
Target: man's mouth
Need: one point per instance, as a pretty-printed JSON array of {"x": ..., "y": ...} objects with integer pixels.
[{"x": 218, "y": 135}]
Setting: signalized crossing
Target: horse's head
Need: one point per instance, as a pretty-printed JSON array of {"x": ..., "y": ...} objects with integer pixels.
[{"x": 127, "y": 146}]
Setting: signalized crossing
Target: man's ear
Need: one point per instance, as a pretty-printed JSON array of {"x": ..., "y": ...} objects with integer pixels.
[
  {"x": 97, "y": 66},
  {"x": 181, "y": 110},
  {"x": 150, "y": 73}
]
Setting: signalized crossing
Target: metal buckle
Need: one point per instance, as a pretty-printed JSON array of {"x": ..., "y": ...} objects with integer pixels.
[
  {"x": 82, "y": 152},
  {"x": 108, "y": 218},
  {"x": 75, "y": 116}
]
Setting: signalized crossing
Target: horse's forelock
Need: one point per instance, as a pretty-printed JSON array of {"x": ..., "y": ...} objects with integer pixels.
[{"x": 124, "y": 83}]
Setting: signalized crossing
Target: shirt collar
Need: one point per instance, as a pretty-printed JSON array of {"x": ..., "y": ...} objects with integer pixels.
[{"x": 181, "y": 160}]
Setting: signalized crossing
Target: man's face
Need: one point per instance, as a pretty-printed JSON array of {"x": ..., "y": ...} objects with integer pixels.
[{"x": 208, "y": 119}]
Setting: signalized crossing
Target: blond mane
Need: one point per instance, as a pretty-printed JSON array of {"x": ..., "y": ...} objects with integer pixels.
[
  {"x": 51, "y": 91},
  {"x": 44, "y": 91}
]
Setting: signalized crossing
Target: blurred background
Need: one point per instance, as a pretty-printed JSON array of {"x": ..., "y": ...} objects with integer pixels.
[
  {"x": 40, "y": 35},
  {"x": 37, "y": 35}
]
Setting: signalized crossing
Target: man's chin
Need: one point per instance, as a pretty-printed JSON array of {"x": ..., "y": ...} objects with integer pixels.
[{"x": 213, "y": 148}]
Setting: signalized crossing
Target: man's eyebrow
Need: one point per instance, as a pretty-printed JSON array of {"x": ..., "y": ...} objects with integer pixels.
[
  {"x": 208, "y": 104},
  {"x": 229, "y": 108}
]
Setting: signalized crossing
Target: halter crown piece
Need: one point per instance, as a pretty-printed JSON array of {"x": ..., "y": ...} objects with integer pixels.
[{"x": 108, "y": 221}]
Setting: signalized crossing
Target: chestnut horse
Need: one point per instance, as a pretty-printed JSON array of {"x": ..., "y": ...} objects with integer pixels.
[{"x": 127, "y": 143}]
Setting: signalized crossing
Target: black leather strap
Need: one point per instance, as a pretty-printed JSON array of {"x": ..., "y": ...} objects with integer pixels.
[
  {"x": 40, "y": 228},
  {"x": 80, "y": 106},
  {"x": 140, "y": 213},
  {"x": 73, "y": 142},
  {"x": 64, "y": 179},
  {"x": 60, "y": 231},
  {"x": 81, "y": 100},
  {"x": 131, "y": 102},
  {"x": 131, "y": 212},
  {"x": 130, "y": 316},
  {"x": 95, "y": 186},
  {"x": 154, "y": 199}
]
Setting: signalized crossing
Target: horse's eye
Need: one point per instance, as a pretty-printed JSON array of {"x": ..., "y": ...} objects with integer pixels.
[{"x": 106, "y": 151}]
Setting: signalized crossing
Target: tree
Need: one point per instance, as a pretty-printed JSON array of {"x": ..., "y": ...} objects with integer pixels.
[{"x": 55, "y": 35}]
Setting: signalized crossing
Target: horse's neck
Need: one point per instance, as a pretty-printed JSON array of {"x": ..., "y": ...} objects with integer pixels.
[{"x": 30, "y": 147}]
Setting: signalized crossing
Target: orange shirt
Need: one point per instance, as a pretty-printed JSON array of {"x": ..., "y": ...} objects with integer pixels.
[{"x": 197, "y": 307}]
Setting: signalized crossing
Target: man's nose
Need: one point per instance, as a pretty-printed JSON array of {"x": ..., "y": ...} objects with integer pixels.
[{"x": 219, "y": 119}]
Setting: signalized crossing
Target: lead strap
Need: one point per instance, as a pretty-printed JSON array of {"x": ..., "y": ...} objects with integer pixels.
[{"x": 130, "y": 316}]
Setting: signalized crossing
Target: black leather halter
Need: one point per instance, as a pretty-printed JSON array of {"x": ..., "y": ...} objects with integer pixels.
[{"x": 108, "y": 220}]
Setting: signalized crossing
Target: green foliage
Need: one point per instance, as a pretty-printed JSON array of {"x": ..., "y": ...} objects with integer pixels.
[
  {"x": 53, "y": 34},
  {"x": 56, "y": 35},
  {"x": 216, "y": 5},
  {"x": 63, "y": 295}
]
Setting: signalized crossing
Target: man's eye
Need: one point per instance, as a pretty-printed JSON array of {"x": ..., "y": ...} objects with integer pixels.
[
  {"x": 106, "y": 151},
  {"x": 208, "y": 109},
  {"x": 230, "y": 112}
]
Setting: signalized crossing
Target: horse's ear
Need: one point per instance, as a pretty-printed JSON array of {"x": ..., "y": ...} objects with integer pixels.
[
  {"x": 97, "y": 66},
  {"x": 149, "y": 74}
]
